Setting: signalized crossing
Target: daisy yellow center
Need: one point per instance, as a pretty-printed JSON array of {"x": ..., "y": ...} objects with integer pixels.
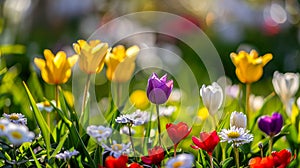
[
  {"x": 46, "y": 104},
  {"x": 2, "y": 127},
  {"x": 233, "y": 134},
  {"x": 100, "y": 131},
  {"x": 16, "y": 135},
  {"x": 177, "y": 164},
  {"x": 117, "y": 147},
  {"x": 13, "y": 117}
]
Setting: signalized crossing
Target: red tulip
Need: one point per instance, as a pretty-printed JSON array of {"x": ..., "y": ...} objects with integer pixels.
[
  {"x": 207, "y": 141},
  {"x": 178, "y": 132},
  {"x": 258, "y": 162},
  {"x": 111, "y": 162},
  {"x": 155, "y": 156},
  {"x": 282, "y": 158},
  {"x": 135, "y": 165}
]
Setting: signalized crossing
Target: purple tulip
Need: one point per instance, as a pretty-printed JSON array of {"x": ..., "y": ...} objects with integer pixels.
[
  {"x": 159, "y": 90},
  {"x": 271, "y": 125}
]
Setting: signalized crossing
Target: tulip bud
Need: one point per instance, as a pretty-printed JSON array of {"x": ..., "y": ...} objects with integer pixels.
[
  {"x": 212, "y": 97},
  {"x": 159, "y": 90}
]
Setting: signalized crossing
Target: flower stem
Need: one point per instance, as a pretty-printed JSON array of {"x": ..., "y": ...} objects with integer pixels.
[
  {"x": 85, "y": 93},
  {"x": 270, "y": 145},
  {"x": 158, "y": 124},
  {"x": 131, "y": 140},
  {"x": 211, "y": 161},
  {"x": 248, "y": 91},
  {"x": 49, "y": 120},
  {"x": 236, "y": 154},
  {"x": 175, "y": 148}
]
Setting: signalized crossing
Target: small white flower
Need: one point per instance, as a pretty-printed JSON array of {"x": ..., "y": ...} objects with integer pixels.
[
  {"x": 238, "y": 119},
  {"x": 181, "y": 161},
  {"x": 232, "y": 91},
  {"x": 45, "y": 105},
  {"x": 18, "y": 134},
  {"x": 116, "y": 150},
  {"x": 3, "y": 125},
  {"x": 16, "y": 118},
  {"x": 67, "y": 154},
  {"x": 285, "y": 85},
  {"x": 137, "y": 118},
  {"x": 212, "y": 97},
  {"x": 165, "y": 111},
  {"x": 256, "y": 102},
  {"x": 236, "y": 136},
  {"x": 125, "y": 130},
  {"x": 99, "y": 132}
]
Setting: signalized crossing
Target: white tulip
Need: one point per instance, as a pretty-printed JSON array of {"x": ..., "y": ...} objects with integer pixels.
[
  {"x": 238, "y": 120},
  {"x": 212, "y": 97},
  {"x": 285, "y": 85}
]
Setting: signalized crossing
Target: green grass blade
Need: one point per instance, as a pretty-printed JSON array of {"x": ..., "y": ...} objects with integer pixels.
[
  {"x": 37, "y": 164},
  {"x": 40, "y": 120}
]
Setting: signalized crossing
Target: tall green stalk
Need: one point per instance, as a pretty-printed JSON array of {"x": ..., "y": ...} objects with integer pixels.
[
  {"x": 158, "y": 124},
  {"x": 84, "y": 100}
]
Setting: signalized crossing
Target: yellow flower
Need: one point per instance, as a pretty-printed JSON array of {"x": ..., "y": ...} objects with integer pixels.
[
  {"x": 121, "y": 63},
  {"x": 139, "y": 99},
  {"x": 203, "y": 113},
  {"x": 55, "y": 69},
  {"x": 249, "y": 67},
  {"x": 91, "y": 55}
]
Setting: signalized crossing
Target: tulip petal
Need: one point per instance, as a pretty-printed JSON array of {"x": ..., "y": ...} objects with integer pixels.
[{"x": 40, "y": 63}]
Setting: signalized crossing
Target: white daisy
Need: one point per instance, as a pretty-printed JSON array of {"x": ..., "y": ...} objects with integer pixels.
[
  {"x": 18, "y": 134},
  {"x": 236, "y": 136},
  {"x": 116, "y": 150},
  {"x": 45, "y": 105},
  {"x": 16, "y": 118},
  {"x": 67, "y": 154},
  {"x": 99, "y": 132},
  {"x": 137, "y": 118},
  {"x": 3, "y": 125},
  {"x": 181, "y": 161}
]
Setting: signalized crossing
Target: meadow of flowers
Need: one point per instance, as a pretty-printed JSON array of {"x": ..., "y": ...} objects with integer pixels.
[{"x": 245, "y": 130}]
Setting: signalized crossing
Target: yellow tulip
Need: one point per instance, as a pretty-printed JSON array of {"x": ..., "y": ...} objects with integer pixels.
[
  {"x": 139, "y": 99},
  {"x": 91, "y": 55},
  {"x": 121, "y": 63},
  {"x": 55, "y": 69},
  {"x": 249, "y": 66}
]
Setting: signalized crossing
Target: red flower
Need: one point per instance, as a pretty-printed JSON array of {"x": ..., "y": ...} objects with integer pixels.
[
  {"x": 282, "y": 158},
  {"x": 178, "y": 132},
  {"x": 258, "y": 162},
  {"x": 156, "y": 155},
  {"x": 111, "y": 162},
  {"x": 135, "y": 165},
  {"x": 207, "y": 141}
]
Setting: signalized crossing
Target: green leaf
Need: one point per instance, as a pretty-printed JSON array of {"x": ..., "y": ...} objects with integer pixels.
[
  {"x": 35, "y": 159},
  {"x": 12, "y": 49},
  {"x": 226, "y": 163},
  {"x": 75, "y": 136},
  {"x": 60, "y": 145},
  {"x": 40, "y": 120}
]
